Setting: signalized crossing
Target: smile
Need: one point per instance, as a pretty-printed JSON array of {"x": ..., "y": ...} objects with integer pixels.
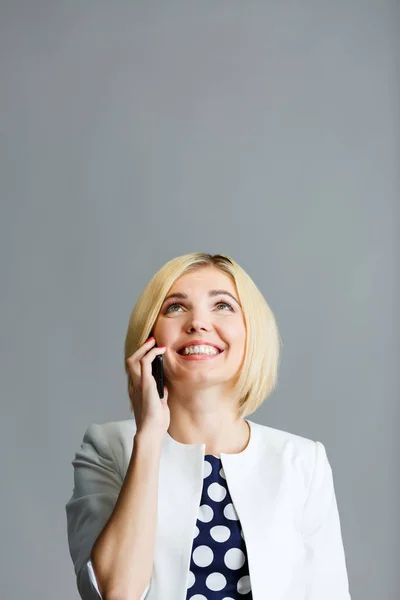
[{"x": 200, "y": 356}]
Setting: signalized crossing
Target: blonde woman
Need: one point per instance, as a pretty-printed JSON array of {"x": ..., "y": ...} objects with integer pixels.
[{"x": 190, "y": 500}]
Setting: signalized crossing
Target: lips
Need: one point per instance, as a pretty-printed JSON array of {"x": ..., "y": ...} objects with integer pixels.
[{"x": 199, "y": 343}]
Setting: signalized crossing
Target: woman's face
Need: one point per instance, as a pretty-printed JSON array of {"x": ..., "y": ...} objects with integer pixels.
[{"x": 199, "y": 313}]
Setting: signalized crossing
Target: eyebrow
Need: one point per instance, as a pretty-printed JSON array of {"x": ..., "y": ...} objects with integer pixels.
[{"x": 211, "y": 293}]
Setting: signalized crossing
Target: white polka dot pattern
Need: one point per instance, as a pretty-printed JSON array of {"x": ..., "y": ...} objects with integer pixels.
[
  {"x": 206, "y": 513},
  {"x": 218, "y": 567},
  {"x": 220, "y": 533},
  {"x": 202, "y": 556}
]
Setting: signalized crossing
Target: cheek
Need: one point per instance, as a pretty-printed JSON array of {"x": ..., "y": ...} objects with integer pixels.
[
  {"x": 163, "y": 332},
  {"x": 236, "y": 333},
  {"x": 237, "y": 343}
]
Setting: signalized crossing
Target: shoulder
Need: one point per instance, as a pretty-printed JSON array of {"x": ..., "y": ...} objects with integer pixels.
[
  {"x": 295, "y": 452},
  {"x": 111, "y": 440},
  {"x": 112, "y": 429},
  {"x": 279, "y": 439},
  {"x": 110, "y": 432}
]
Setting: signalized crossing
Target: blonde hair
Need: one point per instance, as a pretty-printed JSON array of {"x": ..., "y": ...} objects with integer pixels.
[{"x": 259, "y": 371}]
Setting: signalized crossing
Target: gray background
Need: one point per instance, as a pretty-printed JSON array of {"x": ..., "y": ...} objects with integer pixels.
[{"x": 134, "y": 132}]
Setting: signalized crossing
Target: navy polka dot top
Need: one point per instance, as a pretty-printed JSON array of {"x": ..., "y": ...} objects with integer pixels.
[{"x": 218, "y": 566}]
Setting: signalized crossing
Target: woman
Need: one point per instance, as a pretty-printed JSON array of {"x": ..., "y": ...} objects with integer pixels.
[{"x": 189, "y": 500}]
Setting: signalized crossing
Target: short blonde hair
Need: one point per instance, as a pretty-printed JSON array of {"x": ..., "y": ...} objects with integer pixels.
[{"x": 259, "y": 371}]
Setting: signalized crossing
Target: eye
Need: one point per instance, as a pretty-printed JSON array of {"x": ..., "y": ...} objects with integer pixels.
[
  {"x": 179, "y": 304},
  {"x": 170, "y": 306},
  {"x": 226, "y": 304}
]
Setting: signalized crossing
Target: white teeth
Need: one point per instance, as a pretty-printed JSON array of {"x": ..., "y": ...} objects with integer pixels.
[{"x": 200, "y": 350}]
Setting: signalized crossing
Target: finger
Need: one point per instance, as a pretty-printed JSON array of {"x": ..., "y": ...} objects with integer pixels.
[
  {"x": 146, "y": 361},
  {"x": 141, "y": 351},
  {"x": 132, "y": 362}
]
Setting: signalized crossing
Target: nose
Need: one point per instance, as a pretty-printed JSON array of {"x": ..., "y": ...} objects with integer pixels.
[
  {"x": 197, "y": 327},
  {"x": 198, "y": 323}
]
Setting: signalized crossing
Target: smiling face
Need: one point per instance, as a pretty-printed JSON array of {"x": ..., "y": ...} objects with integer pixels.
[{"x": 198, "y": 312}]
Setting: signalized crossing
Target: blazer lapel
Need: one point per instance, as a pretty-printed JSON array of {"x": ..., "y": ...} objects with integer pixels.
[
  {"x": 257, "y": 483},
  {"x": 180, "y": 487}
]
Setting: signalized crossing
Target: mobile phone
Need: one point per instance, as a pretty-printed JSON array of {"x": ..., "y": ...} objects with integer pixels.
[{"x": 158, "y": 373}]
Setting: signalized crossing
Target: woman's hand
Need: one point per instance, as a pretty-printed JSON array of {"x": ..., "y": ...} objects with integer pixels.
[{"x": 151, "y": 412}]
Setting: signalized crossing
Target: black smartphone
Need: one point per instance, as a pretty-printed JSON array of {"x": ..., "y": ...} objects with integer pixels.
[{"x": 158, "y": 373}]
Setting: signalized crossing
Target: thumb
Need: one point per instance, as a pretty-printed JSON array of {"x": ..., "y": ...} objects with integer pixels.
[{"x": 165, "y": 399}]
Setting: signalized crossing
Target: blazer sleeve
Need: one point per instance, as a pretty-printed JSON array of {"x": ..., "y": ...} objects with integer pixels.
[
  {"x": 97, "y": 483},
  {"x": 326, "y": 572}
]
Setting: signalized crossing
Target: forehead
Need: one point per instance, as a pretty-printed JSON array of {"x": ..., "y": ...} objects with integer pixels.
[{"x": 204, "y": 278}]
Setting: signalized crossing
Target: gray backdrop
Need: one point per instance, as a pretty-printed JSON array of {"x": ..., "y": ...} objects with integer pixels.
[{"x": 135, "y": 132}]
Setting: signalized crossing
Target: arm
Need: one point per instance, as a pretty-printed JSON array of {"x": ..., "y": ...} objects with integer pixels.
[
  {"x": 326, "y": 572},
  {"x": 112, "y": 522}
]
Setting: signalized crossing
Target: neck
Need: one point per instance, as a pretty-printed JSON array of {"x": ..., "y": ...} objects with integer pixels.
[{"x": 220, "y": 431}]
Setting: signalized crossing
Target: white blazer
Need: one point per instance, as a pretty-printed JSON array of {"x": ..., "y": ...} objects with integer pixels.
[{"x": 282, "y": 488}]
